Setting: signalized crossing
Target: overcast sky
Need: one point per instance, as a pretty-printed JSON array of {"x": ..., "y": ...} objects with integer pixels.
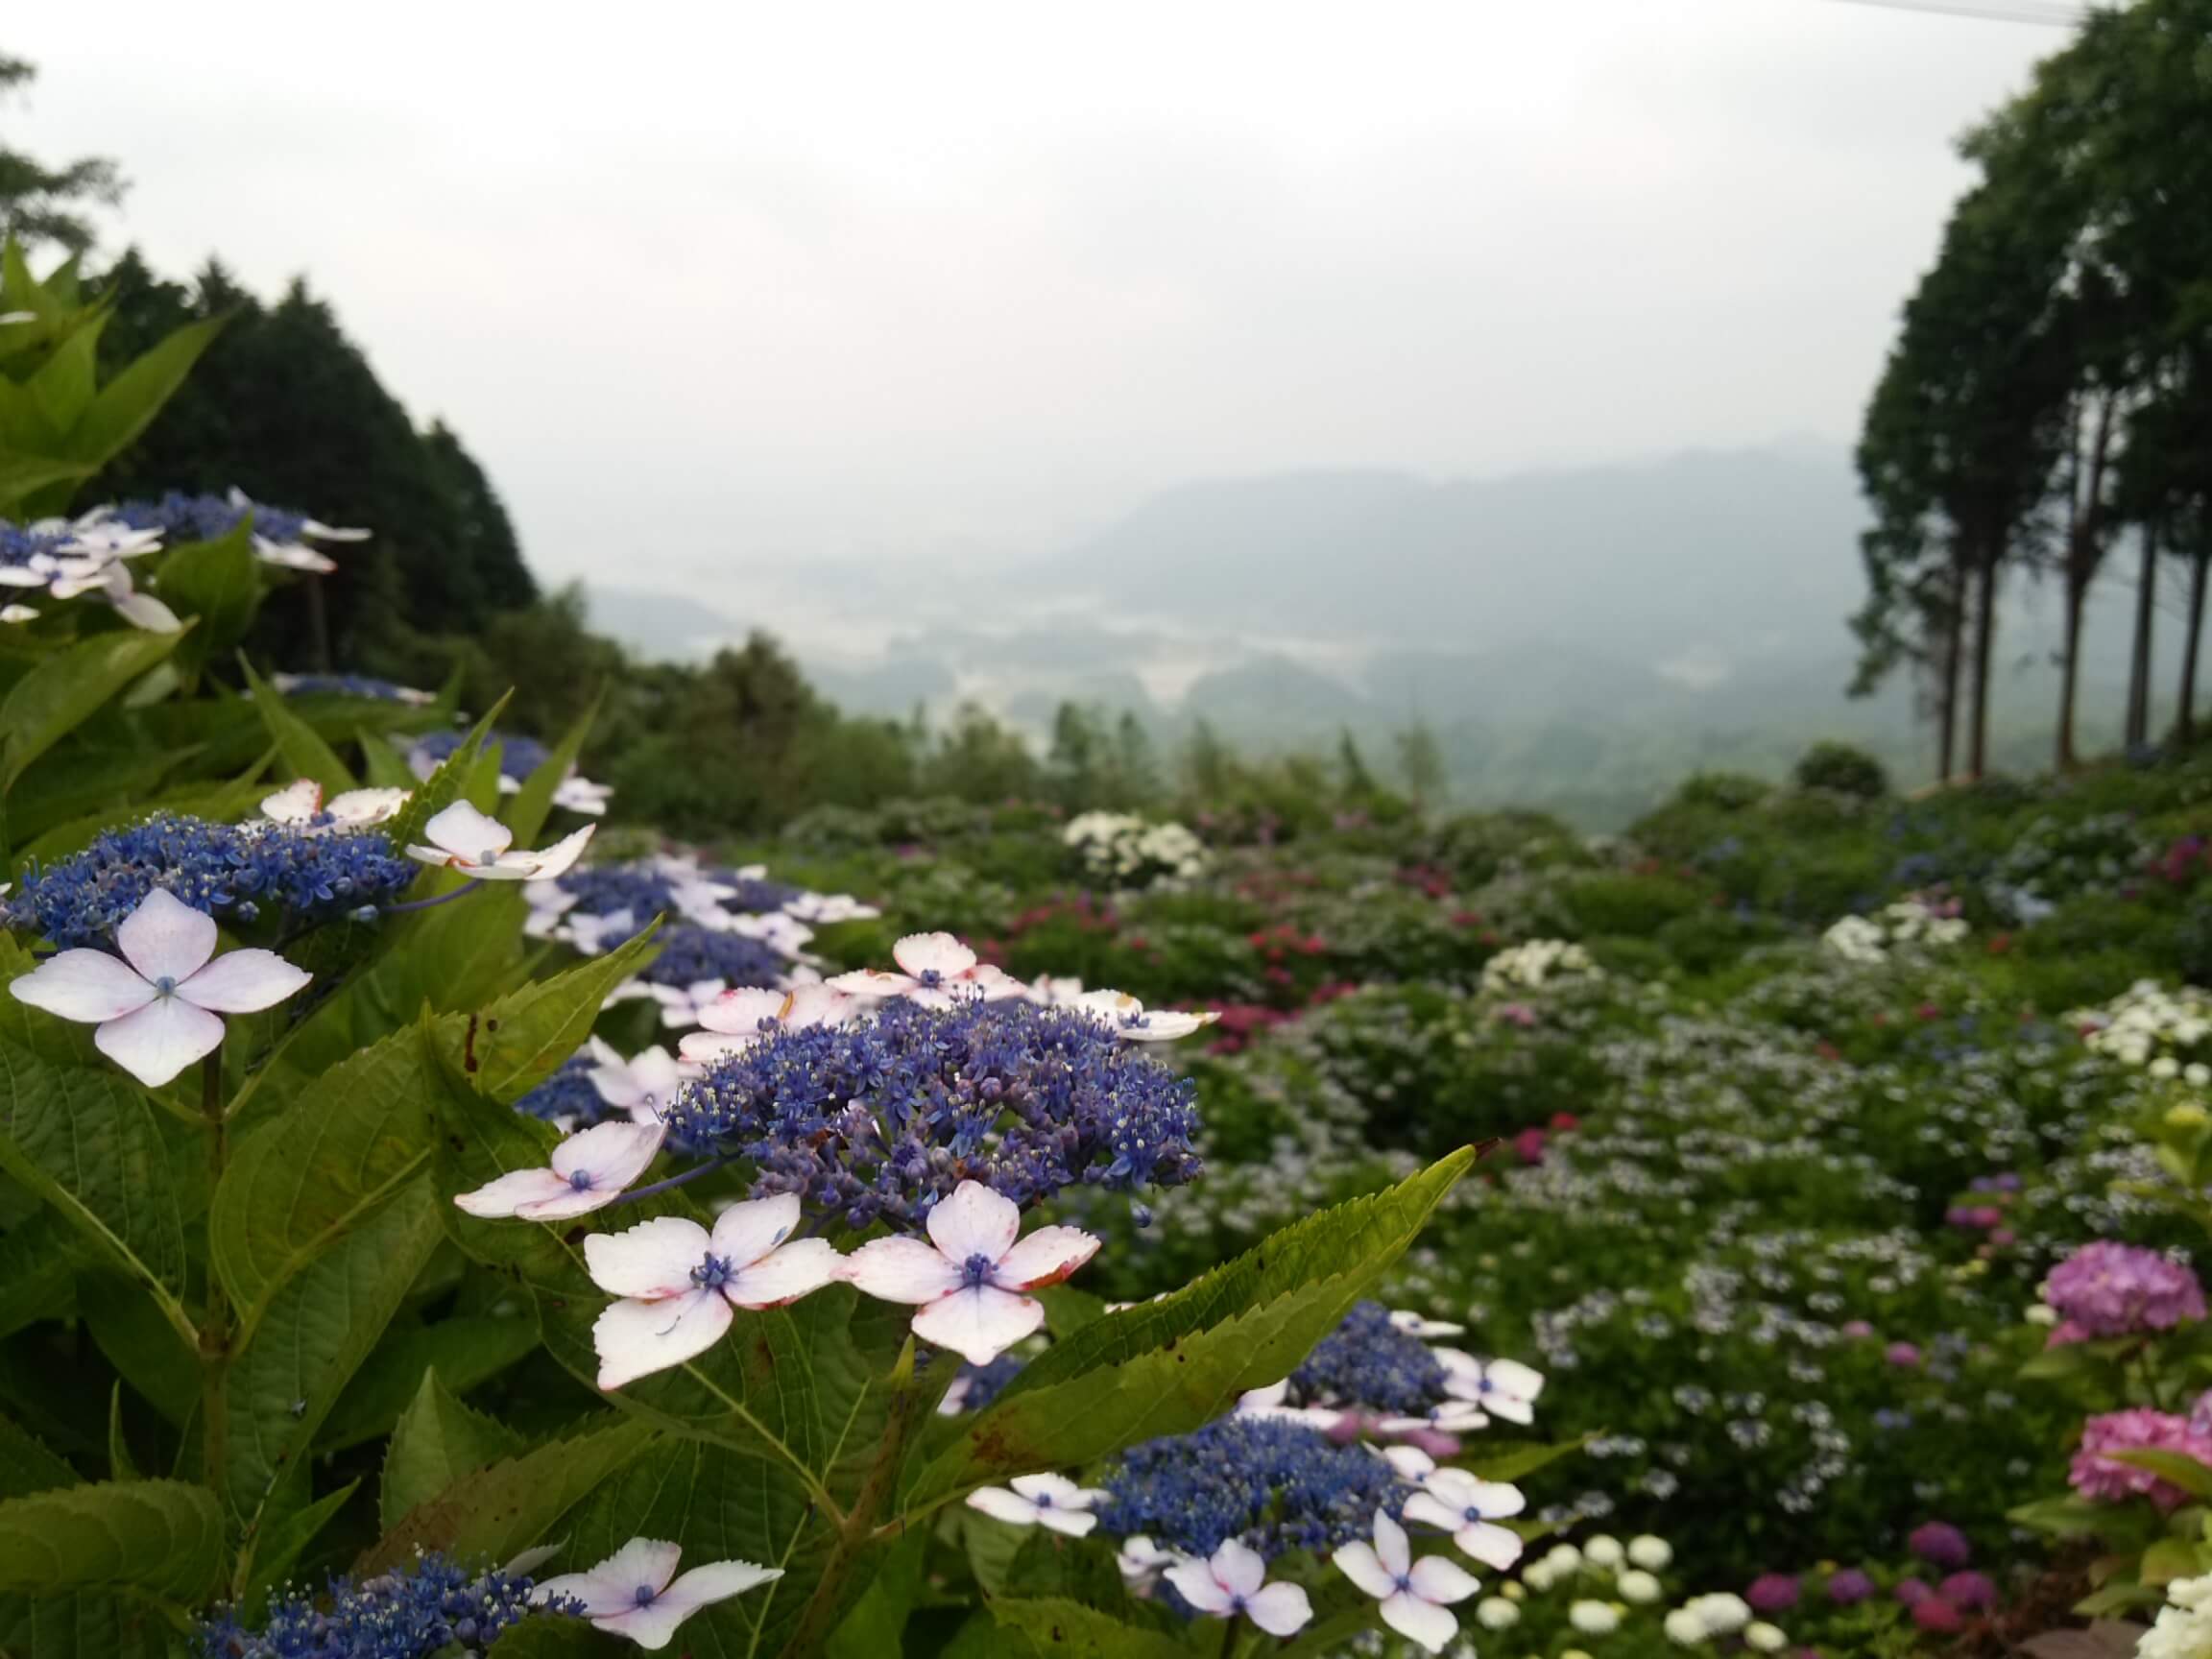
[{"x": 739, "y": 284}]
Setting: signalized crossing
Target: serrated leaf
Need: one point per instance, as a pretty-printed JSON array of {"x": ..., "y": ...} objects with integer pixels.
[
  {"x": 160, "y": 1538},
  {"x": 65, "y": 689},
  {"x": 439, "y": 1440},
  {"x": 2169, "y": 1560},
  {"x": 492, "y": 1513},
  {"x": 86, "y": 1624},
  {"x": 26, "y": 1466},
  {"x": 301, "y": 746},
  {"x": 318, "y": 1328},
  {"x": 1168, "y": 1366},
  {"x": 298, "y": 1185},
  {"x": 1061, "y": 1628}
]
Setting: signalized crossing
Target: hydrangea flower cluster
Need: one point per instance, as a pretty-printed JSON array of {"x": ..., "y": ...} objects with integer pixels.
[
  {"x": 2108, "y": 1289},
  {"x": 2105, "y": 1480},
  {"x": 1371, "y": 1361},
  {"x": 281, "y": 536},
  {"x": 406, "y": 1614},
  {"x": 1535, "y": 964},
  {"x": 878, "y": 1119},
  {"x": 690, "y": 954},
  {"x": 1270, "y": 1482},
  {"x": 64, "y": 558},
  {"x": 2150, "y": 1026},
  {"x": 365, "y": 687},
  {"x": 1911, "y": 923},
  {"x": 229, "y": 870},
  {"x": 1121, "y": 847}
]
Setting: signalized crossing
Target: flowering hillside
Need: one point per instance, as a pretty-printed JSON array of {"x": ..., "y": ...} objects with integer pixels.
[{"x": 442, "y": 1209}]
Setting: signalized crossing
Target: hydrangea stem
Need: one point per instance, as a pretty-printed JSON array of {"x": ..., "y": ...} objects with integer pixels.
[
  {"x": 659, "y": 1186},
  {"x": 215, "y": 1329}
]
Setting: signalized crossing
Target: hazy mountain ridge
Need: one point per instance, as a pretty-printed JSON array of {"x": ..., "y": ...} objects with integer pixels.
[{"x": 1579, "y": 639}]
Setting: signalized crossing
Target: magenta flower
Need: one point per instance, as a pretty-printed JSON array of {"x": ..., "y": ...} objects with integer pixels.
[
  {"x": 1902, "y": 1355},
  {"x": 1913, "y": 1591},
  {"x": 1940, "y": 1543},
  {"x": 1970, "y": 1592},
  {"x": 1849, "y": 1587},
  {"x": 2108, "y": 1289},
  {"x": 1772, "y": 1593},
  {"x": 2094, "y": 1474}
]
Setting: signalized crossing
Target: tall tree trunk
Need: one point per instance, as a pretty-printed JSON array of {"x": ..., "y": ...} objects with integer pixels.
[
  {"x": 1947, "y": 697},
  {"x": 2069, "y": 674},
  {"x": 1984, "y": 643},
  {"x": 2185, "y": 715},
  {"x": 2084, "y": 553},
  {"x": 2139, "y": 666}
]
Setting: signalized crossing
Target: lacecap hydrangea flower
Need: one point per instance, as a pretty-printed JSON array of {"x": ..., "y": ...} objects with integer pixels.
[
  {"x": 879, "y": 1117},
  {"x": 231, "y": 872},
  {"x": 364, "y": 686},
  {"x": 409, "y": 1612},
  {"x": 281, "y": 536},
  {"x": 1272, "y": 1484}
]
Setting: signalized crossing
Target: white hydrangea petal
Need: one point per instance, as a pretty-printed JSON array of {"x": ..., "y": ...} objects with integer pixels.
[
  {"x": 902, "y": 1271},
  {"x": 295, "y": 803},
  {"x": 741, "y": 1012},
  {"x": 165, "y": 938},
  {"x": 1046, "y": 1256},
  {"x": 1280, "y": 1609},
  {"x": 1238, "y": 1567},
  {"x": 636, "y": 1339},
  {"x": 614, "y": 1584},
  {"x": 978, "y": 1324},
  {"x": 747, "y": 1230},
  {"x": 86, "y": 986},
  {"x": 243, "y": 982},
  {"x": 467, "y": 834},
  {"x": 939, "y": 954},
  {"x": 1194, "y": 1581},
  {"x": 561, "y": 857},
  {"x": 1001, "y": 1505},
  {"x": 1485, "y": 1541},
  {"x": 1391, "y": 1545},
  {"x": 1073, "y": 1523},
  {"x": 785, "y": 1274},
  {"x": 1440, "y": 1578},
  {"x": 713, "y": 1581},
  {"x": 653, "y": 1259},
  {"x": 158, "y": 1041},
  {"x": 1359, "y": 1562},
  {"x": 504, "y": 1197},
  {"x": 1422, "y": 1622},
  {"x": 611, "y": 1154},
  {"x": 974, "y": 1220}
]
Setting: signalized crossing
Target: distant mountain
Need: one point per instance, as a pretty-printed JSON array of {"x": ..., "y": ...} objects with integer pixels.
[
  {"x": 1724, "y": 551},
  {"x": 660, "y": 627},
  {"x": 1576, "y": 638}
]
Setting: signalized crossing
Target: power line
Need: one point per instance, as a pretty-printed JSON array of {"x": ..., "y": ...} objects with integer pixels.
[{"x": 2055, "y": 14}]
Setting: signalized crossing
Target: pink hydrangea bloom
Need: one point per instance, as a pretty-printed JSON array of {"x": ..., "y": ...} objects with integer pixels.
[
  {"x": 2108, "y": 1289},
  {"x": 2106, "y": 1480}
]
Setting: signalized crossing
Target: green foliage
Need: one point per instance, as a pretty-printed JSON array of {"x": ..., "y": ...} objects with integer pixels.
[{"x": 1842, "y": 767}]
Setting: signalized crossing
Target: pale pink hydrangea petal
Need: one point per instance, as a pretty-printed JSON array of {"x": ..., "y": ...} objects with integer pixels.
[
  {"x": 160, "y": 1039},
  {"x": 86, "y": 986},
  {"x": 974, "y": 1220},
  {"x": 165, "y": 938}
]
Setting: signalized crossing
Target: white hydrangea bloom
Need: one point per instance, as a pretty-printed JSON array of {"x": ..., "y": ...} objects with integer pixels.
[{"x": 1536, "y": 963}]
